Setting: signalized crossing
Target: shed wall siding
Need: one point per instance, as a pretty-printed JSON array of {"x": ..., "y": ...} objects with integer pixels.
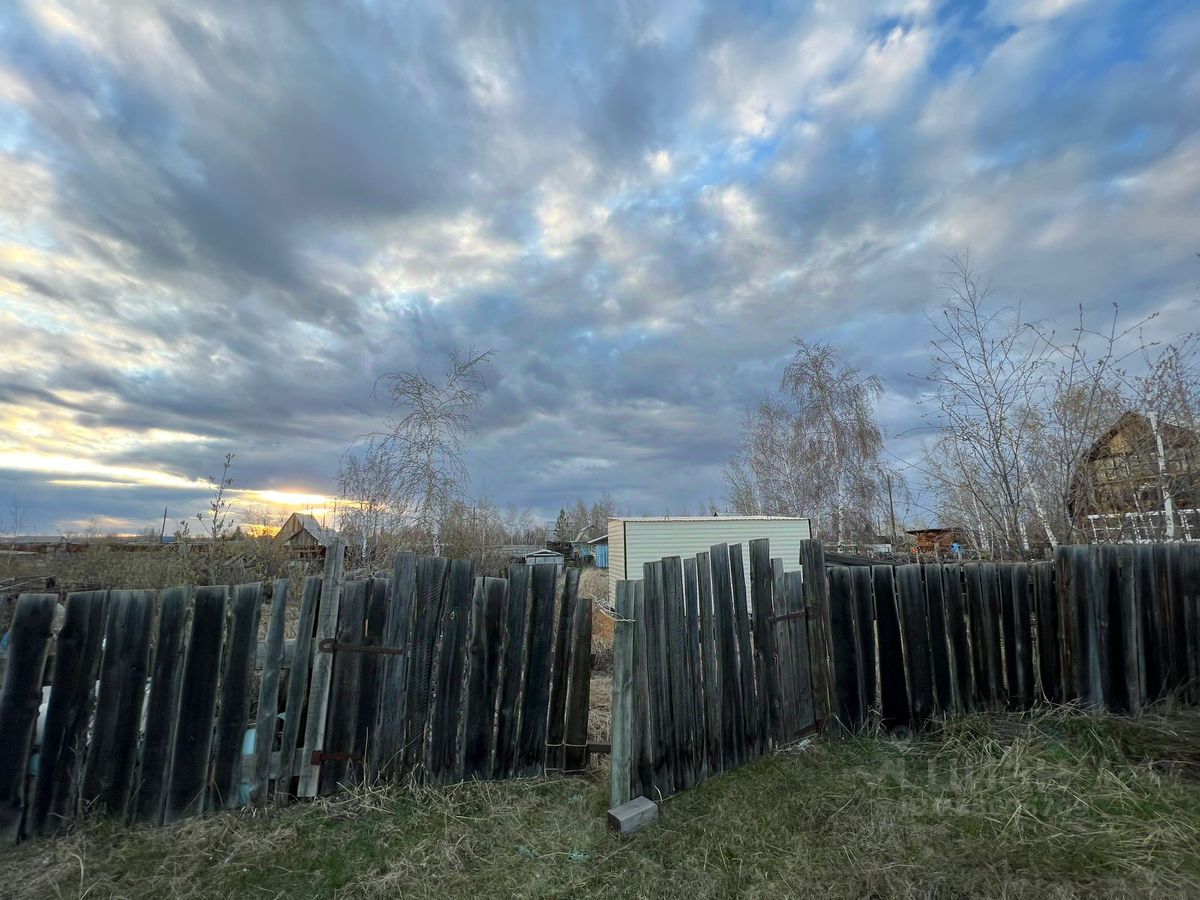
[{"x": 646, "y": 541}]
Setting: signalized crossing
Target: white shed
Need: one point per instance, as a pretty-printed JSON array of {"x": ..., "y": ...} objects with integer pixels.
[
  {"x": 544, "y": 558},
  {"x": 633, "y": 542}
]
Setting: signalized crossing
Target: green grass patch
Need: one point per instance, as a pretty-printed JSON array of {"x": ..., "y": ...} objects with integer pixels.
[{"x": 1049, "y": 804}]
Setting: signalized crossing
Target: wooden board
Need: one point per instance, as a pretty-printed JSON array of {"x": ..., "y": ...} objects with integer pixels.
[
  {"x": 513, "y": 664},
  {"x": 983, "y": 603},
  {"x": 575, "y": 757},
  {"x": 108, "y": 772},
  {"x": 645, "y": 741},
  {"x": 77, "y": 661},
  {"x": 752, "y": 731},
  {"x": 432, "y": 572},
  {"x": 322, "y": 669},
  {"x": 711, "y": 660},
  {"x": 197, "y": 701},
  {"x": 444, "y": 761},
  {"x": 234, "y": 714},
  {"x": 816, "y": 600},
  {"x": 695, "y": 667},
  {"x": 893, "y": 692},
  {"x": 483, "y": 678},
  {"x": 29, "y": 642},
  {"x": 732, "y": 735},
  {"x": 344, "y": 686},
  {"x": 847, "y": 693},
  {"x": 804, "y": 694},
  {"x": 162, "y": 706},
  {"x": 621, "y": 732},
  {"x": 556, "y": 725},
  {"x": 658, "y": 676},
  {"x": 388, "y": 747},
  {"x": 531, "y": 756},
  {"x": 914, "y": 635},
  {"x": 379, "y": 596},
  {"x": 677, "y": 672},
  {"x": 939, "y": 647},
  {"x": 1046, "y": 612},
  {"x": 297, "y": 691},
  {"x": 267, "y": 719},
  {"x": 864, "y": 598},
  {"x": 766, "y": 653},
  {"x": 958, "y": 641},
  {"x": 784, "y": 663},
  {"x": 1189, "y": 593}
]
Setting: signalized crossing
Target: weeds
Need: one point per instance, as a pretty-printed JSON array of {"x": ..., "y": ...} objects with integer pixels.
[{"x": 1052, "y": 803}]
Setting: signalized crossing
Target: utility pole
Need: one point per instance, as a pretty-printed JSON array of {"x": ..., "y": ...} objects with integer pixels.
[
  {"x": 887, "y": 476},
  {"x": 163, "y": 533}
]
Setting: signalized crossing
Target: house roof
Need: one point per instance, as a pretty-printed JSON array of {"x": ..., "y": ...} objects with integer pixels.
[
  {"x": 309, "y": 523},
  {"x": 544, "y": 552},
  {"x": 603, "y": 539},
  {"x": 709, "y": 518}
]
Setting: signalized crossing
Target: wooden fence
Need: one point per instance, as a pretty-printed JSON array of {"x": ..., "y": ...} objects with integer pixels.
[
  {"x": 1106, "y": 626},
  {"x": 149, "y": 709},
  {"x": 705, "y": 681}
]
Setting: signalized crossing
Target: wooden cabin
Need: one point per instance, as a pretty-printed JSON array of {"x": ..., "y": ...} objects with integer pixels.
[{"x": 303, "y": 532}]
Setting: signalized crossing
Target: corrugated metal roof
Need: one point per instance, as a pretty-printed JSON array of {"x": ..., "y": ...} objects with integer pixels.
[
  {"x": 709, "y": 519},
  {"x": 324, "y": 536}
]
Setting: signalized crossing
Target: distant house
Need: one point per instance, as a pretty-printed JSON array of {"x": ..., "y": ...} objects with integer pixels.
[
  {"x": 597, "y": 549},
  {"x": 933, "y": 540},
  {"x": 1117, "y": 489},
  {"x": 303, "y": 532}
]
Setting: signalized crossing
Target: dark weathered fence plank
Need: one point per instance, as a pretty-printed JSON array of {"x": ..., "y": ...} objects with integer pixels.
[
  {"x": 432, "y": 572},
  {"x": 677, "y": 671},
  {"x": 711, "y": 659},
  {"x": 444, "y": 761},
  {"x": 1134, "y": 575},
  {"x": 344, "y": 688},
  {"x": 621, "y": 733},
  {"x": 695, "y": 668},
  {"x": 197, "y": 701},
  {"x": 732, "y": 734},
  {"x": 1189, "y": 593},
  {"x": 556, "y": 726},
  {"x": 957, "y": 637},
  {"x": 844, "y": 647},
  {"x": 645, "y": 739},
  {"x": 108, "y": 773},
  {"x": 20, "y": 698},
  {"x": 531, "y": 756},
  {"x": 265, "y": 724},
  {"x": 893, "y": 693},
  {"x": 805, "y": 712},
  {"x": 516, "y": 636},
  {"x": 388, "y": 746},
  {"x": 1167, "y": 557},
  {"x": 483, "y": 678},
  {"x": 658, "y": 675},
  {"x": 294, "y": 710},
  {"x": 77, "y": 661},
  {"x": 914, "y": 635},
  {"x": 578, "y": 688},
  {"x": 1077, "y": 585},
  {"x": 379, "y": 596},
  {"x": 162, "y": 706},
  {"x": 782, "y": 626},
  {"x": 1018, "y": 649},
  {"x": 766, "y": 654},
  {"x": 741, "y": 604},
  {"x": 322, "y": 669},
  {"x": 235, "y": 697},
  {"x": 816, "y": 600},
  {"x": 983, "y": 601},
  {"x": 1046, "y": 611},
  {"x": 939, "y": 646},
  {"x": 864, "y": 599},
  {"x": 1110, "y": 621}
]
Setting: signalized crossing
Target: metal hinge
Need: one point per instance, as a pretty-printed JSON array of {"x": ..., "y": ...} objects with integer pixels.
[
  {"x": 801, "y": 614},
  {"x": 329, "y": 645}
]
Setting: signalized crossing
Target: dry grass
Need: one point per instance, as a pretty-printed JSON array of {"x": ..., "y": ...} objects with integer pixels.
[{"x": 1046, "y": 805}]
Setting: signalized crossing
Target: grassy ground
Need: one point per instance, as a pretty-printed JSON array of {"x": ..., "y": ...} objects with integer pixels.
[{"x": 1044, "y": 806}]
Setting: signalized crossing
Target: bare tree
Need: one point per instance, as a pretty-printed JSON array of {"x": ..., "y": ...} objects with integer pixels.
[
  {"x": 217, "y": 522},
  {"x": 409, "y": 473},
  {"x": 814, "y": 450}
]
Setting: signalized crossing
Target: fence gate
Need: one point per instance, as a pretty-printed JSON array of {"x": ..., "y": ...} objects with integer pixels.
[{"x": 705, "y": 678}]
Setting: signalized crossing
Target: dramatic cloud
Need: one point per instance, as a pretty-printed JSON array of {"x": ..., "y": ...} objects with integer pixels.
[{"x": 220, "y": 223}]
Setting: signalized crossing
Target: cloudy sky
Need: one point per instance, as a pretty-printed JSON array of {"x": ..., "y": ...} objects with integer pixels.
[{"x": 219, "y": 223}]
